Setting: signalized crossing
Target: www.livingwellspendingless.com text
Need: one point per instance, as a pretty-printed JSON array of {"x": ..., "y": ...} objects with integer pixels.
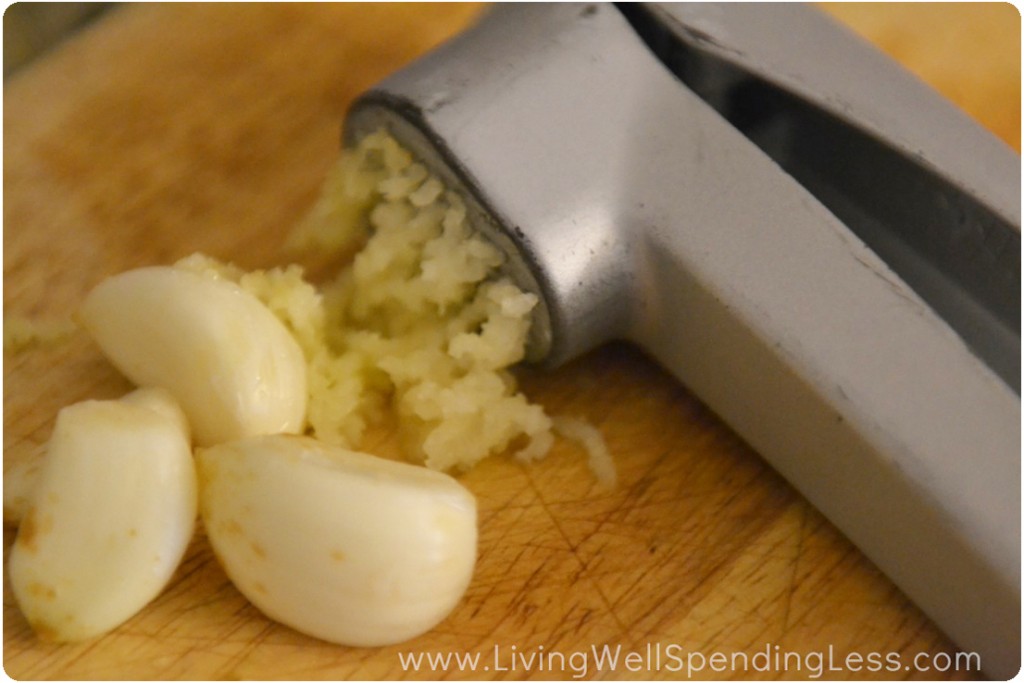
[{"x": 675, "y": 659}]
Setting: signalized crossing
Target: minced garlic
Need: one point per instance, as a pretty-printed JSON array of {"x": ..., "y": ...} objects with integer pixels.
[
  {"x": 419, "y": 324},
  {"x": 22, "y": 333}
]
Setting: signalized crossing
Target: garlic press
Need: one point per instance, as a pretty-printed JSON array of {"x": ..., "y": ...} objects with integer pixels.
[{"x": 819, "y": 246}]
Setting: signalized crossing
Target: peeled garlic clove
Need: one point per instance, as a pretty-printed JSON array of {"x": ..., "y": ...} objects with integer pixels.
[
  {"x": 21, "y": 475},
  {"x": 110, "y": 517},
  {"x": 233, "y": 366},
  {"x": 340, "y": 545}
]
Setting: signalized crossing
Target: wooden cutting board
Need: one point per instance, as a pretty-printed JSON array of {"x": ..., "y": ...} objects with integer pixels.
[{"x": 168, "y": 129}]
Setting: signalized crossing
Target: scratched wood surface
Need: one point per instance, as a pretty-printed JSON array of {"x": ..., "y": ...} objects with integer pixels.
[{"x": 164, "y": 130}]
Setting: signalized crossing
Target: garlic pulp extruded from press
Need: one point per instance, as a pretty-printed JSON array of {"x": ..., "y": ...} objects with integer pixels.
[
  {"x": 110, "y": 517},
  {"x": 232, "y": 365},
  {"x": 342, "y": 546},
  {"x": 422, "y": 323}
]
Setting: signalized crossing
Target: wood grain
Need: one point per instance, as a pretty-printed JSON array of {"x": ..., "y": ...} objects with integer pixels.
[{"x": 168, "y": 129}]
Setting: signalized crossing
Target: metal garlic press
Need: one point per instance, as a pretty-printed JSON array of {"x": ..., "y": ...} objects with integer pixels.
[{"x": 820, "y": 247}]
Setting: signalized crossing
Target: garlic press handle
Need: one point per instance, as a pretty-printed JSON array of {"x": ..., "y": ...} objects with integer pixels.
[
  {"x": 930, "y": 191},
  {"x": 805, "y": 53}
]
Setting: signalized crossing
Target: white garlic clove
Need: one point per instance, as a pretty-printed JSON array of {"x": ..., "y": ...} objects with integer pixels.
[
  {"x": 21, "y": 475},
  {"x": 342, "y": 546},
  {"x": 233, "y": 366},
  {"x": 109, "y": 519}
]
